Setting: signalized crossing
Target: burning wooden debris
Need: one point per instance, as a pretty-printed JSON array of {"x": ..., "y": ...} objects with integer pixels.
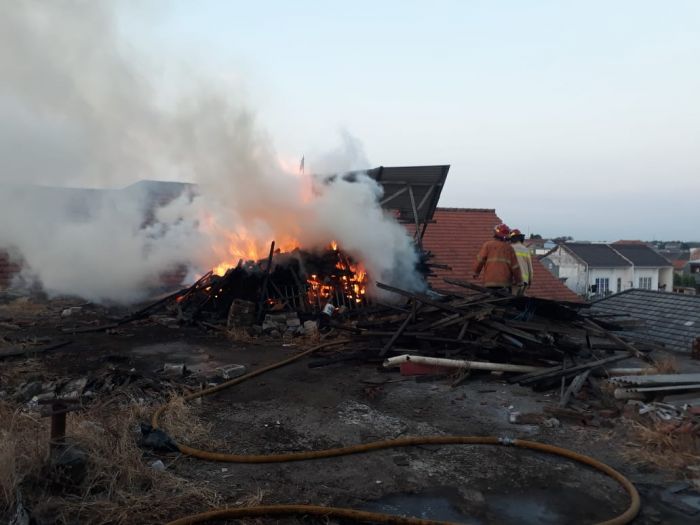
[{"x": 300, "y": 281}]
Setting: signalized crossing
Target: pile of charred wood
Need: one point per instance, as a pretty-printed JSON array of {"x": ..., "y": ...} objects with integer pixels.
[{"x": 546, "y": 343}]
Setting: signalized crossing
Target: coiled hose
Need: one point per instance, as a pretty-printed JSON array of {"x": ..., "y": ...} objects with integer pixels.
[{"x": 361, "y": 516}]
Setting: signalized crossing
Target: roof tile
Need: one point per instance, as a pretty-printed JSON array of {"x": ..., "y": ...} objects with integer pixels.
[{"x": 455, "y": 239}]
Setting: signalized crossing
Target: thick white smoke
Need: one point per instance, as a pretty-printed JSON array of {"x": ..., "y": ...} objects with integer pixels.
[{"x": 74, "y": 111}]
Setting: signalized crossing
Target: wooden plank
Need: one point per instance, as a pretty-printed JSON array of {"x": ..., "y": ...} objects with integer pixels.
[
  {"x": 546, "y": 327},
  {"x": 396, "y": 335},
  {"x": 427, "y": 325},
  {"x": 393, "y": 196},
  {"x": 511, "y": 331},
  {"x": 632, "y": 350},
  {"x": 527, "y": 379},
  {"x": 263, "y": 289},
  {"x": 422, "y": 298},
  {"x": 574, "y": 388}
]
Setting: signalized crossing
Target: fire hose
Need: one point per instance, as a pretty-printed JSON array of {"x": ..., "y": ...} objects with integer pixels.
[{"x": 361, "y": 516}]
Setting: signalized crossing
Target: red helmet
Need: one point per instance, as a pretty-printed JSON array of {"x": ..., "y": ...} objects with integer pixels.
[
  {"x": 515, "y": 233},
  {"x": 501, "y": 231}
]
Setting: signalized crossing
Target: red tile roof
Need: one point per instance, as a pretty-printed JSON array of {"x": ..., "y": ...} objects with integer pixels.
[
  {"x": 679, "y": 264},
  {"x": 455, "y": 238},
  {"x": 626, "y": 241}
]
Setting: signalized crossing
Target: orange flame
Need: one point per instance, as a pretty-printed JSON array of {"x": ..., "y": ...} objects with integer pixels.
[{"x": 350, "y": 281}]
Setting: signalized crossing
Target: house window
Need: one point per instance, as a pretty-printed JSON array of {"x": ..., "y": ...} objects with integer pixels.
[
  {"x": 619, "y": 284},
  {"x": 645, "y": 283},
  {"x": 602, "y": 285}
]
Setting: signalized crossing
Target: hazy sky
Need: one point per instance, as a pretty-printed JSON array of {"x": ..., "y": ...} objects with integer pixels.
[{"x": 578, "y": 118}]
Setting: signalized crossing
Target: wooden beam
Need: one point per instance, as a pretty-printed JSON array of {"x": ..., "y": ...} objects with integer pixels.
[{"x": 393, "y": 196}]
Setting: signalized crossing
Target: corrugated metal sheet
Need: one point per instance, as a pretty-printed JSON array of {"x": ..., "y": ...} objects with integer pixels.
[{"x": 409, "y": 186}]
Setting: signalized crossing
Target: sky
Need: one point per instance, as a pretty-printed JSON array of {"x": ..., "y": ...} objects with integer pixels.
[{"x": 576, "y": 118}]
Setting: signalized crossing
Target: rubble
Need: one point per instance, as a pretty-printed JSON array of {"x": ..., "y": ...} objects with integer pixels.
[
  {"x": 231, "y": 371},
  {"x": 451, "y": 337}
]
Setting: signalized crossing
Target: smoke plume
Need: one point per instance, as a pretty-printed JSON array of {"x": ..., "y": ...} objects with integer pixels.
[{"x": 76, "y": 110}]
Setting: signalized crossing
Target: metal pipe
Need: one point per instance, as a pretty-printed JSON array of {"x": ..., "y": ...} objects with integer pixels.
[{"x": 457, "y": 363}]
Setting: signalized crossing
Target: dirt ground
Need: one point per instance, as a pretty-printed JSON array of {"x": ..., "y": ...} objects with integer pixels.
[{"x": 301, "y": 408}]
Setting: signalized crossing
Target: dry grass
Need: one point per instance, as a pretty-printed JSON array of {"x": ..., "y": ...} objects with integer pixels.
[
  {"x": 665, "y": 364},
  {"x": 22, "y": 451},
  {"x": 23, "y": 307},
  {"x": 120, "y": 487},
  {"x": 182, "y": 423},
  {"x": 668, "y": 445}
]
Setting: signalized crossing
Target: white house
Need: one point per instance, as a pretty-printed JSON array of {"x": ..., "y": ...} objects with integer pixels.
[
  {"x": 596, "y": 269},
  {"x": 651, "y": 270}
]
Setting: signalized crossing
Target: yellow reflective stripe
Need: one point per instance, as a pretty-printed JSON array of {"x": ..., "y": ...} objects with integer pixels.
[{"x": 522, "y": 253}]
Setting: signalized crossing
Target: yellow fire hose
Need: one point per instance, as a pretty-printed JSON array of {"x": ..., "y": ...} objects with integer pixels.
[{"x": 362, "y": 516}]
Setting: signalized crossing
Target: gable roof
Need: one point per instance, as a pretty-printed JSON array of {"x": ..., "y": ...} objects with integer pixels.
[
  {"x": 641, "y": 255},
  {"x": 597, "y": 255},
  {"x": 455, "y": 239},
  {"x": 671, "y": 319}
]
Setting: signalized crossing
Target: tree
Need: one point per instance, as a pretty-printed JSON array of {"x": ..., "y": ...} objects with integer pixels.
[
  {"x": 683, "y": 280},
  {"x": 535, "y": 236},
  {"x": 562, "y": 239}
]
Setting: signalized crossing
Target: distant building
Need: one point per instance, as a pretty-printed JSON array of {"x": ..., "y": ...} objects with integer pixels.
[
  {"x": 540, "y": 246},
  {"x": 597, "y": 269}
]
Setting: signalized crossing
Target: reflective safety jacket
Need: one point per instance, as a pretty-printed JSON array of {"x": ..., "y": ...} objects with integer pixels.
[
  {"x": 500, "y": 265},
  {"x": 524, "y": 256}
]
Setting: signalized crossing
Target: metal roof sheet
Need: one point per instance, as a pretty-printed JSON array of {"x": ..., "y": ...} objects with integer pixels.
[
  {"x": 409, "y": 187},
  {"x": 668, "y": 318}
]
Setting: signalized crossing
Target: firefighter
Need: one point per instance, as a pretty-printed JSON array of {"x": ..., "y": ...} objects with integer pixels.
[
  {"x": 522, "y": 252},
  {"x": 498, "y": 261}
]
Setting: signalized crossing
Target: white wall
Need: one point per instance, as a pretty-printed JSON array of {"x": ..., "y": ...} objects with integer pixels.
[
  {"x": 666, "y": 277},
  {"x": 658, "y": 276},
  {"x": 612, "y": 274},
  {"x": 647, "y": 272},
  {"x": 570, "y": 268}
]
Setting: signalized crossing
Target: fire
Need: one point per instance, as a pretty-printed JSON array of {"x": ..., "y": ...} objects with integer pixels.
[
  {"x": 241, "y": 246},
  {"x": 346, "y": 284},
  {"x": 349, "y": 283}
]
